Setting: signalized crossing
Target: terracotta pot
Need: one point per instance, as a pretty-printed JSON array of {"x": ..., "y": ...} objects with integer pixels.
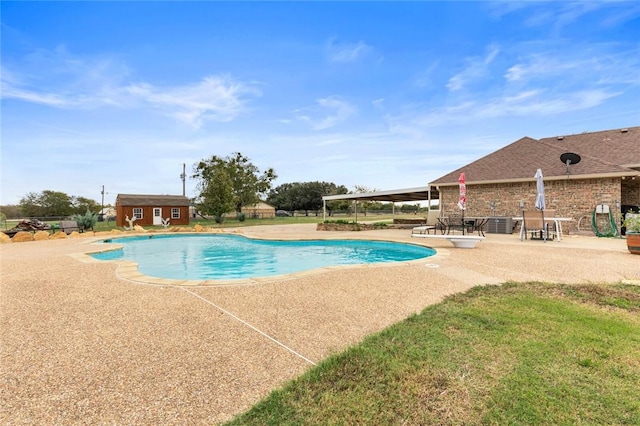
[{"x": 633, "y": 243}]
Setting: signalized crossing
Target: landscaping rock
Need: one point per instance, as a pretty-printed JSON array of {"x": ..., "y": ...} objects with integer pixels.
[
  {"x": 22, "y": 236},
  {"x": 348, "y": 227},
  {"x": 41, "y": 235},
  {"x": 4, "y": 238}
]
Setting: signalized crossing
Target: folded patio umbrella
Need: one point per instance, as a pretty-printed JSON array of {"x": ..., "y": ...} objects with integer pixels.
[{"x": 540, "y": 203}]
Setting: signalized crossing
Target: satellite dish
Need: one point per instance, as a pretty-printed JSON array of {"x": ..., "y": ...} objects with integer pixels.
[{"x": 570, "y": 158}]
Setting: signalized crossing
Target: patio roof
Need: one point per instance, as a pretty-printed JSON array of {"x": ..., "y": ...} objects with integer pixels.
[{"x": 423, "y": 193}]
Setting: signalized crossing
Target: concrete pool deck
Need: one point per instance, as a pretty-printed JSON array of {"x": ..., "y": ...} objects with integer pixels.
[{"x": 83, "y": 342}]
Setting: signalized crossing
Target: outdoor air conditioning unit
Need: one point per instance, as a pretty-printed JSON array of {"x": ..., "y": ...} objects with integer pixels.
[{"x": 500, "y": 225}]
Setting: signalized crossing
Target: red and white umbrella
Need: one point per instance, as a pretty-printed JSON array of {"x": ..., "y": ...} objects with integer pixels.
[{"x": 462, "y": 200}]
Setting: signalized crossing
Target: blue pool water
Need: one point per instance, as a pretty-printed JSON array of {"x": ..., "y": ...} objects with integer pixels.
[{"x": 216, "y": 257}]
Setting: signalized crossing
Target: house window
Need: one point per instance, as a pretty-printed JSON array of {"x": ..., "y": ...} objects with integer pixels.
[
  {"x": 175, "y": 213},
  {"x": 137, "y": 212}
]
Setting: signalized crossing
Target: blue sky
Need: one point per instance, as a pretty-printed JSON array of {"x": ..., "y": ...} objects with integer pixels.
[{"x": 384, "y": 95}]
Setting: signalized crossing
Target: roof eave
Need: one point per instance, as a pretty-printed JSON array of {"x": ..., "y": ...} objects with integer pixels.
[{"x": 629, "y": 173}]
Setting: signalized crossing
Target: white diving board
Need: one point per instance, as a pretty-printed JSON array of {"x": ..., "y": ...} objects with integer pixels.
[{"x": 460, "y": 241}]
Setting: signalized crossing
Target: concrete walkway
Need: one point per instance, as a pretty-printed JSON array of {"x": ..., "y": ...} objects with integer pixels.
[{"x": 83, "y": 343}]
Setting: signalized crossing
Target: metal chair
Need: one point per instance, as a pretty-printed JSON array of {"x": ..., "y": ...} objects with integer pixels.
[{"x": 533, "y": 222}]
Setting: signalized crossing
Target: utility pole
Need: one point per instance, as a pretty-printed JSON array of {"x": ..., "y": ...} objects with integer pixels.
[
  {"x": 102, "y": 210},
  {"x": 183, "y": 176}
]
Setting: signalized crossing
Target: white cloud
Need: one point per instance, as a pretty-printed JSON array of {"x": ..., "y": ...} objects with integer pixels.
[
  {"x": 340, "y": 111},
  {"x": 347, "y": 52},
  {"x": 476, "y": 68},
  {"x": 527, "y": 103},
  {"x": 60, "y": 80},
  {"x": 559, "y": 17},
  {"x": 577, "y": 67},
  {"x": 213, "y": 99},
  {"x": 378, "y": 103},
  {"x": 50, "y": 99}
]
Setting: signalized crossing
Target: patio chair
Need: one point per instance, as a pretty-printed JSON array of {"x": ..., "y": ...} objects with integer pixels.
[
  {"x": 431, "y": 224},
  {"x": 452, "y": 223},
  {"x": 533, "y": 222}
]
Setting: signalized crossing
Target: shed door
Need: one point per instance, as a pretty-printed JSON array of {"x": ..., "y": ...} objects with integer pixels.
[{"x": 157, "y": 216}]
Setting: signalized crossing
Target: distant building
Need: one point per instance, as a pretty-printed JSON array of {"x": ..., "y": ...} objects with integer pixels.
[
  {"x": 259, "y": 210},
  {"x": 107, "y": 213},
  {"x": 152, "y": 209}
]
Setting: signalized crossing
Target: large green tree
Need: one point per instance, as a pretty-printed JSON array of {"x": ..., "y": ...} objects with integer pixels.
[
  {"x": 47, "y": 203},
  {"x": 217, "y": 197},
  {"x": 248, "y": 183},
  {"x": 50, "y": 203},
  {"x": 305, "y": 196}
]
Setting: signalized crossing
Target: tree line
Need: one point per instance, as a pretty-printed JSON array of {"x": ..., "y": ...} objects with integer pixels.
[
  {"x": 224, "y": 184},
  {"x": 50, "y": 203}
]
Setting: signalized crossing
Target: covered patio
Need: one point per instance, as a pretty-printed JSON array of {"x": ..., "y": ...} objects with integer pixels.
[{"x": 422, "y": 193}]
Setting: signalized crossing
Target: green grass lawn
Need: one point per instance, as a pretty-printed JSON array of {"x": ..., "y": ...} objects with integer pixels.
[{"x": 517, "y": 354}]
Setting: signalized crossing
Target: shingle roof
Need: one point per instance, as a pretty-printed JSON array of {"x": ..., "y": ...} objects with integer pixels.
[
  {"x": 152, "y": 200},
  {"x": 605, "y": 153}
]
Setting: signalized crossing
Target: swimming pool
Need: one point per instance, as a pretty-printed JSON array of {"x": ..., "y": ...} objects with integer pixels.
[{"x": 221, "y": 257}]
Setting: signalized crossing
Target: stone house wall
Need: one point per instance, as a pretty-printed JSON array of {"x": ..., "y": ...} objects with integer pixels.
[{"x": 573, "y": 198}]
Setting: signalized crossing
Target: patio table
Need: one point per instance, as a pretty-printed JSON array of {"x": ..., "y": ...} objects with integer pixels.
[
  {"x": 465, "y": 225},
  {"x": 557, "y": 221}
]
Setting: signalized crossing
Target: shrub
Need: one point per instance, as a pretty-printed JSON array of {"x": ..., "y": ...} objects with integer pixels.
[
  {"x": 86, "y": 221},
  {"x": 241, "y": 217},
  {"x": 632, "y": 222}
]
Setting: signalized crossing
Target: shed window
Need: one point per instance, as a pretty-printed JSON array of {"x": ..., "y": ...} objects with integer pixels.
[
  {"x": 175, "y": 213},
  {"x": 137, "y": 212}
]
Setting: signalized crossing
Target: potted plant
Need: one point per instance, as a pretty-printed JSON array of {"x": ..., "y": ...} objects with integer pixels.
[{"x": 632, "y": 223}]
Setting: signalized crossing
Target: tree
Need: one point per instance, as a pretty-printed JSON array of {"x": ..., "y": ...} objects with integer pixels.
[
  {"x": 247, "y": 181},
  {"x": 30, "y": 205},
  {"x": 410, "y": 208},
  {"x": 217, "y": 197},
  {"x": 56, "y": 203},
  {"x": 305, "y": 196},
  {"x": 283, "y": 197},
  {"x": 366, "y": 205},
  {"x": 82, "y": 204},
  {"x": 12, "y": 211},
  {"x": 47, "y": 203}
]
